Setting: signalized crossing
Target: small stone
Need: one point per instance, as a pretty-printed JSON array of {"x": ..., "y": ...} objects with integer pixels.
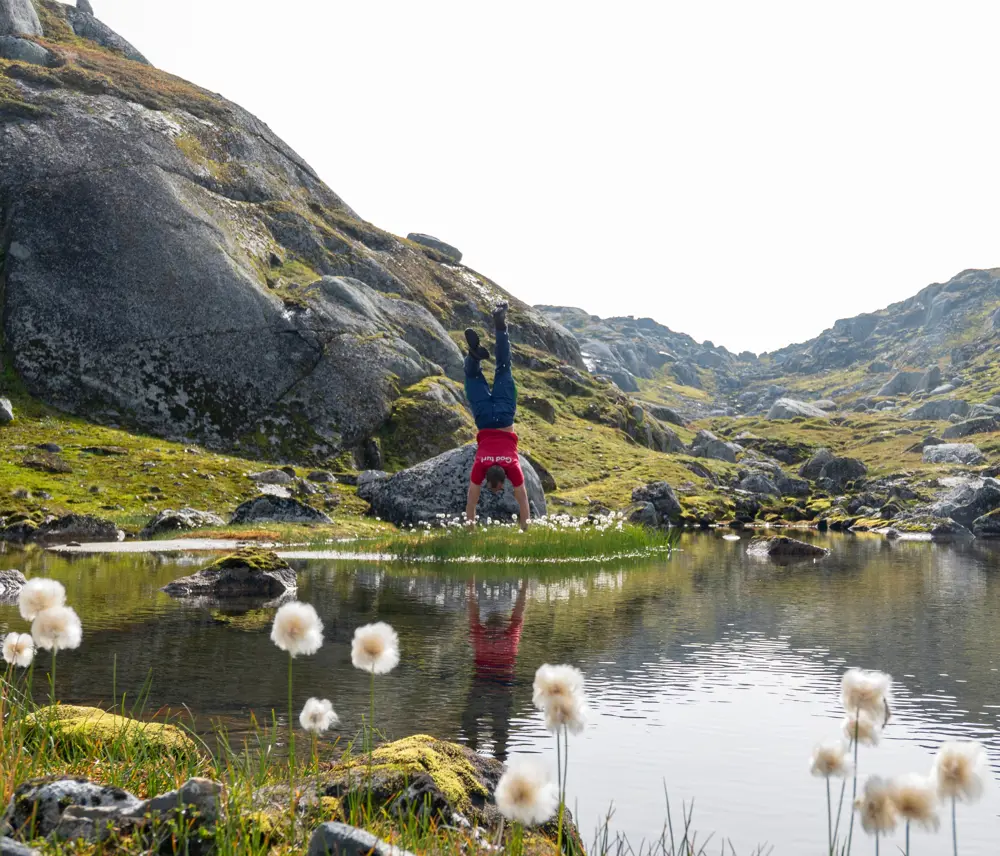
[
  {"x": 780, "y": 547},
  {"x": 170, "y": 520},
  {"x": 281, "y": 476},
  {"x": 339, "y": 839},
  {"x": 277, "y": 509},
  {"x": 447, "y": 250}
]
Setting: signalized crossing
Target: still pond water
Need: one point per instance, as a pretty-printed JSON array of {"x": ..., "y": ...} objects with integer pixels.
[{"x": 711, "y": 675}]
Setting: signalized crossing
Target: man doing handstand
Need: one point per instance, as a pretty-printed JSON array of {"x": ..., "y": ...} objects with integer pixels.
[{"x": 494, "y": 411}]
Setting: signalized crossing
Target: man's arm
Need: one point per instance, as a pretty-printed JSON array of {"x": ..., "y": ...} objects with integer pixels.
[
  {"x": 470, "y": 506},
  {"x": 521, "y": 495}
]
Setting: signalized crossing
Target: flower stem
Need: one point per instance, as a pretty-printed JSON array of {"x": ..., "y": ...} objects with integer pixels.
[
  {"x": 907, "y": 838},
  {"x": 954, "y": 829},
  {"x": 829, "y": 817},
  {"x": 854, "y": 787},
  {"x": 52, "y": 680},
  {"x": 562, "y": 786},
  {"x": 291, "y": 746}
]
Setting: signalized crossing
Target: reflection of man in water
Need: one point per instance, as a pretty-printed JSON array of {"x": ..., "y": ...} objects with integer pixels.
[{"x": 495, "y": 645}]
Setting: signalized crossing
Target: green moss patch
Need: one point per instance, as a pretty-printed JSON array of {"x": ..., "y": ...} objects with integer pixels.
[{"x": 91, "y": 728}]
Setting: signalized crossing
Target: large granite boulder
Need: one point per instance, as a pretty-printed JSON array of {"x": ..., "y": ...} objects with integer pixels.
[
  {"x": 813, "y": 468},
  {"x": 987, "y": 526},
  {"x": 437, "y": 487},
  {"x": 181, "y": 520},
  {"x": 707, "y": 445},
  {"x": 77, "y": 527},
  {"x": 24, "y": 50},
  {"x": 789, "y": 408},
  {"x": 980, "y": 425},
  {"x": 968, "y": 502},
  {"x": 447, "y": 250},
  {"x": 902, "y": 383},
  {"x": 841, "y": 471},
  {"x": 759, "y": 485},
  {"x": 940, "y": 409},
  {"x": 19, "y": 18},
  {"x": 661, "y": 497},
  {"x": 953, "y": 453},
  {"x": 267, "y": 508},
  {"x": 86, "y": 26},
  {"x": 245, "y": 574}
]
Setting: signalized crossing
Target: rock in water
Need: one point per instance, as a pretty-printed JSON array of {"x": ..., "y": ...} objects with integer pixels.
[
  {"x": 11, "y": 583},
  {"x": 440, "y": 487},
  {"x": 446, "y": 250},
  {"x": 789, "y": 408},
  {"x": 339, "y": 839},
  {"x": 953, "y": 453},
  {"x": 781, "y": 547},
  {"x": 987, "y": 526},
  {"x": 247, "y": 573},
  {"x": 169, "y": 520},
  {"x": 277, "y": 509},
  {"x": 18, "y": 18},
  {"x": 77, "y": 527}
]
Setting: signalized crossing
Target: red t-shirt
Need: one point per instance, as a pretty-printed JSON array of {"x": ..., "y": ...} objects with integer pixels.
[{"x": 497, "y": 448}]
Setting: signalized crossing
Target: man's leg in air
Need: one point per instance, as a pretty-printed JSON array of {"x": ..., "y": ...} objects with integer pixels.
[
  {"x": 504, "y": 388},
  {"x": 477, "y": 390}
]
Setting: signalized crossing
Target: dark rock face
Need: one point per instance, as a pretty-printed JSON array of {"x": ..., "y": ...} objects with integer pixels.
[
  {"x": 663, "y": 499},
  {"x": 84, "y": 6},
  {"x": 902, "y": 383},
  {"x": 780, "y": 547},
  {"x": 24, "y": 50},
  {"x": 447, "y": 250},
  {"x": 643, "y": 514},
  {"x": 11, "y": 583},
  {"x": 981, "y": 425},
  {"x": 759, "y": 485},
  {"x": 18, "y": 18},
  {"x": 339, "y": 839},
  {"x": 184, "y": 305},
  {"x": 841, "y": 471},
  {"x": 440, "y": 487},
  {"x": 953, "y": 453},
  {"x": 987, "y": 526},
  {"x": 792, "y": 486},
  {"x": 277, "y": 509},
  {"x": 169, "y": 520},
  {"x": 248, "y": 573},
  {"x": 813, "y": 468},
  {"x": 77, "y": 527}
]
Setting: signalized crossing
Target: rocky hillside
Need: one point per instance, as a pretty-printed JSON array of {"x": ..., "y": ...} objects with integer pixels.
[
  {"x": 944, "y": 337},
  {"x": 167, "y": 263}
]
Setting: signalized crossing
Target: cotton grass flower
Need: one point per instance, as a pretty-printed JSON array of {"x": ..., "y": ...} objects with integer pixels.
[
  {"x": 960, "y": 770},
  {"x": 916, "y": 801},
  {"x": 18, "y": 649},
  {"x": 863, "y": 691},
  {"x": 375, "y": 648},
  {"x": 553, "y": 682},
  {"x": 831, "y": 759},
  {"x": 297, "y": 629},
  {"x": 525, "y": 794},
  {"x": 57, "y": 628},
  {"x": 569, "y": 712},
  {"x": 318, "y": 716},
  {"x": 862, "y": 728},
  {"x": 39, "y": 594},
  {"x": 877, "y": 807}
]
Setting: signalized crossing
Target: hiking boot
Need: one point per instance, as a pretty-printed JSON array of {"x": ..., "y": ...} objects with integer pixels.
[
  {"x": 476, "y": 350},
  {"x": 500, "y": 315}
]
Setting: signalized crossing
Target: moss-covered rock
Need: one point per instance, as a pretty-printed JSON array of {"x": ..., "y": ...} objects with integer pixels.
[
  {"x": 90, "y": 727},
  {"x": 248, "y": 573}
]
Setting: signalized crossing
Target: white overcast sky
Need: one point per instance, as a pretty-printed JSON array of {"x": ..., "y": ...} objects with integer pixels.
[{"x": 746, "y": 172}]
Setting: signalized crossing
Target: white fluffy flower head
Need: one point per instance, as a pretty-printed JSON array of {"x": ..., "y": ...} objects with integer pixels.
[
  {"x": 863, "y": 727},
  {"x": 57, "y": 628},
  {"x": 867, "y": 692},
  {"x": 960, "y": 770},
  {"x": 39, "y": 594},
  {"x": 318, "y": 716},
  {"x": 566, "y": 712},
  {"x": 877, "y": 807},
  {"x": 525, "y": 794},
  {"x": 916, "y": 800},
  {"x": 831, "y": 759},
  {"x": 375, "y": 648},
  {"x": 297, "y": 629},
  {"x": 553, "y": 682},
  {"x": 18, "y": 649}
]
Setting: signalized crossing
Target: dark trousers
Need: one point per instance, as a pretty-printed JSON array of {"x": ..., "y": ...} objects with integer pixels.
[{"x": 492, "y": 408}]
